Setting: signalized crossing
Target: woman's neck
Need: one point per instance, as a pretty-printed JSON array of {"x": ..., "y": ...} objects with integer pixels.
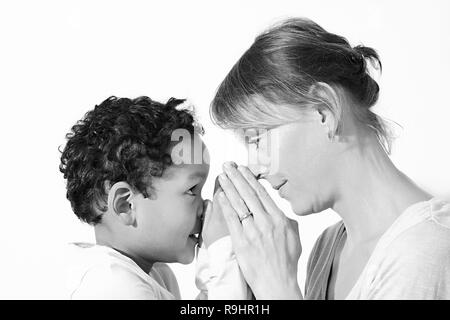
[{"x": 373, "y": 193}]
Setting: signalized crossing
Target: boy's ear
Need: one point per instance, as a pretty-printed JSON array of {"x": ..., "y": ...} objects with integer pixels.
[{"x": 119, "y": 202}]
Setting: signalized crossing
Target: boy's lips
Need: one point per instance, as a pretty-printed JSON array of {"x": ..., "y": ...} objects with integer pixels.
[
  {"x": 197, "y": 230},
  {"x": 195, "y": 237}
]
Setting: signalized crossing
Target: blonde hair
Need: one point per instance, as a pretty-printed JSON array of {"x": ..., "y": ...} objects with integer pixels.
[{"x": 272, "y": 81}]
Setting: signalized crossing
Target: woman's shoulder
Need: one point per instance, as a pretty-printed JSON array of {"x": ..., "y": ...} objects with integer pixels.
[
  {"x": 416, "y": 263},
  {"x": 426, "y": 242}
]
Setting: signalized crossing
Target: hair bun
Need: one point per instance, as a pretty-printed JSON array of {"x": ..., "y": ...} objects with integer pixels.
[{"x": 368, "y": 53}]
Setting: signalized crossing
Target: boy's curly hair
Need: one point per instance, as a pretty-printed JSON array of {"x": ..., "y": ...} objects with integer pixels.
[{"x": 119, "y": 140}]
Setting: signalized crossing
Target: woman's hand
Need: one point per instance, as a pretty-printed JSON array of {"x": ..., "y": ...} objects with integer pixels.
[
  {"x": 266, "y": 243},
  {"x": 214, "y": 225}
]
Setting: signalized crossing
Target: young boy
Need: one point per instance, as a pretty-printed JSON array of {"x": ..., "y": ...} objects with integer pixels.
[{"x": 135, "y": 169}]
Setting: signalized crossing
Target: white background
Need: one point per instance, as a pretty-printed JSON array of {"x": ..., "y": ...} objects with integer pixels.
[{"x": 60, "y": 58}]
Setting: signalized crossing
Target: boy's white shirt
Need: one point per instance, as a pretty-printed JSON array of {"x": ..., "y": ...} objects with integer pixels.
[
  {"x": 218, "y": 276},
  {"x": 100, "y": 272}
]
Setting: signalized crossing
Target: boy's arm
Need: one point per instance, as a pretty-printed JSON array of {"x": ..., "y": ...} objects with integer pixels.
[{"x": 218, "y": 276}]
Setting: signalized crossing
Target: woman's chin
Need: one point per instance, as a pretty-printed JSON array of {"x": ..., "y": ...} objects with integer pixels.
[{"x": 302, "y": 209}]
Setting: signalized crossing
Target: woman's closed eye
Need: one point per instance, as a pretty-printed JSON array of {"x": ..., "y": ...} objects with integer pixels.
[{"x": 254, "y": 140}]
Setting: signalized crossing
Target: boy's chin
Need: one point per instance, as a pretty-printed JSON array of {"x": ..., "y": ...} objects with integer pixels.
[{"x": 187, "y": 258}]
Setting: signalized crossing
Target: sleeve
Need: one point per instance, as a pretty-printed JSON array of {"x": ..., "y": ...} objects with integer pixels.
[
  {"x": 319, "y": 257},
  {"x": 218, "y": 276},
  {"x": 104, "y": 283},
  {"x": 416, "y": 267},
  {"x": 312, "y": 262}
]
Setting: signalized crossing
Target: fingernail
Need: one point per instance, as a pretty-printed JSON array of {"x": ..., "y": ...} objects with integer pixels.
[
  {"x": 230, "y": 165},
  {"x": 222, "y": 177}
]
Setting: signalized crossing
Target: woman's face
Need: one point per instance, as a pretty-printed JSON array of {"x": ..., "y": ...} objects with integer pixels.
[{"x": 303, "y": 160}]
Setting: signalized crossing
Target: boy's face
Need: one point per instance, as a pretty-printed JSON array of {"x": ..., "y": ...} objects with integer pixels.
[{"x": 167, "y": 221}]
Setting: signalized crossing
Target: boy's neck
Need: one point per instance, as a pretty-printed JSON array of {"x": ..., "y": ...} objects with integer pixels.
[
  {"x": 143, "y": 264},
  {"x": 103, "y": 240}
]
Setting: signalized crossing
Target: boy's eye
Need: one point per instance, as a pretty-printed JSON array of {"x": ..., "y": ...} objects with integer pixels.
[{"x": 191, "y": 191}]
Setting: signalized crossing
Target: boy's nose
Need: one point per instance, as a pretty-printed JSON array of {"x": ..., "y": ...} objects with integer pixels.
[{"x": 202, "y": 209}]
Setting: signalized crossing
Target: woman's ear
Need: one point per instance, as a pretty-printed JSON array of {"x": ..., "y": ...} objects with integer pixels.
[
  {"x": 120, "y": 198},
  {"x": 328, "y": 107}
]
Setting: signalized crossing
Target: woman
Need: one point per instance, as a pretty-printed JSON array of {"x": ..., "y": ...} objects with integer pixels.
[{"x": 309, "y": 94}]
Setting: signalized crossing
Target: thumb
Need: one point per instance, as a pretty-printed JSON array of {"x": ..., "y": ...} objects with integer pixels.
[
  {"x": 207, "y": 206},
  {"x": 207, "y": 209}
]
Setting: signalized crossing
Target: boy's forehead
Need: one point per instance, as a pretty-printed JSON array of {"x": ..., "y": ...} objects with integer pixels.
[{"x": 186, "y": 172}]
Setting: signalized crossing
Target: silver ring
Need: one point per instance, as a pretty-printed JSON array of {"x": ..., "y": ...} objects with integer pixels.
[{"x": 245, "y": 216}]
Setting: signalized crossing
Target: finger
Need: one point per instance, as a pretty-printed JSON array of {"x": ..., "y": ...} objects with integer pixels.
[
  {"x": 246, "y": 192},
  {"x": 231, "y": 218},
  {"x": 240, "y": 205},
  {"x": 266, "y": 200},
  {"x": 233, "y": 195},
  {"x": 207, "y": 212},
  {"x": 239, "y": 231},
  {"x": 207, "y": 209}
]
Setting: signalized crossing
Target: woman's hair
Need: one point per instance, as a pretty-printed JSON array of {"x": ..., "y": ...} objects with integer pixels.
[
  {"x": 282, "y": 67},
  {"x": 121, "y": 139}
]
